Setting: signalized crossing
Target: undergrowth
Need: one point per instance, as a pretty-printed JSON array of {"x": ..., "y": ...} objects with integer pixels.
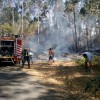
[{"x": 95, "y": 62}]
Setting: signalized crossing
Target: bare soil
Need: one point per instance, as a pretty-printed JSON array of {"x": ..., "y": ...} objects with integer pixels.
[{"x": 64, "y": 77}]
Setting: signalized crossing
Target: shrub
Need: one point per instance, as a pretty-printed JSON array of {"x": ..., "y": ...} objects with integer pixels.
[
  {"x": 80, "y": 62},
  {"x": 96, "y": 61}
]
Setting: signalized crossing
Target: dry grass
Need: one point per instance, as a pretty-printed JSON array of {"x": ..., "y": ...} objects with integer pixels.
[{"x": 66, "y": 78}]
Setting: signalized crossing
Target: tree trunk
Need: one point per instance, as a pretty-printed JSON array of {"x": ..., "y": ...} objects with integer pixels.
[
  {"x": 87, "y": 38},
  {"x": 2, "y": 8},
  {"x": 38, "y": 21},
  {"x": 76, "y": 44},
  {"x": 13, "y": 18},
  {"x": 22, "y": 20}
]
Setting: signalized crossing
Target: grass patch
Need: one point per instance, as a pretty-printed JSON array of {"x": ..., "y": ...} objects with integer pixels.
[{"x": 96, "y": 61}]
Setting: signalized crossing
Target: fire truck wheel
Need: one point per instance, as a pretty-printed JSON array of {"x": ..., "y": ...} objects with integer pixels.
[{"x": 15, "y": 62}]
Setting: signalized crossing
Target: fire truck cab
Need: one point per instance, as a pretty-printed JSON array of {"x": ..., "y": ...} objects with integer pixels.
[{"x": 10, "y": 48}]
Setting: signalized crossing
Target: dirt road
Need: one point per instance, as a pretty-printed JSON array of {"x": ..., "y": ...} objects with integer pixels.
[
  {"x": 59, "y": 81},
  {"x": 16, "y": 84}
]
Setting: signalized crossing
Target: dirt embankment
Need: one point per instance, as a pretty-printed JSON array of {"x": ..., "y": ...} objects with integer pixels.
[{"x": 66, "y": 78}]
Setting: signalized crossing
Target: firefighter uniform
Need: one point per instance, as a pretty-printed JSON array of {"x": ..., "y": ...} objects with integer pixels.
[{"x": 25, "y": 57}]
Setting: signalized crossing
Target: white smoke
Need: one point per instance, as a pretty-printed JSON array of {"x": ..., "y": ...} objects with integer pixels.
[{"x": 56, "y": 30}]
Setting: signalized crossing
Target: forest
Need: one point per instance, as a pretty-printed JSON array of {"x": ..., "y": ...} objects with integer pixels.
[
  {"x": 69, "y": 27},
  {"x": 75, "y": 24}
]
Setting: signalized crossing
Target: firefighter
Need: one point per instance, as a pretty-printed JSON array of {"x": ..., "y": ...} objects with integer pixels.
[{"x": 25, "y": 57}]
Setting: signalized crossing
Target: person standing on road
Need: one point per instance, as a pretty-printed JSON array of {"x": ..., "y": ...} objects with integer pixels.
[
  {"x": 25, "y": 57},
  {"x": 88, "y": 60}
]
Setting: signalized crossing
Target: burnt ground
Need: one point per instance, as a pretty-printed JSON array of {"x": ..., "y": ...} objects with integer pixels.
[{"x": 60, "y": 81}]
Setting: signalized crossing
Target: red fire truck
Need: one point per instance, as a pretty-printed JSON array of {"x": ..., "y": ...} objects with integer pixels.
[{"x": 10, "y": 48}]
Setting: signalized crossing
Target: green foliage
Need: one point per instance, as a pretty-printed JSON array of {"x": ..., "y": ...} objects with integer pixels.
[
  {"x": 99, "y": 6},
  {"x": 7, "y": 15},
  {"x": 69, "y": 5},
  {"x": 83, "y": 11},
  {"x": 5, "y": 28},
  {"x": 32, "y": 28},
  {"x": 96, "y": 61},
  {"x": 79, "y": 62},
  {"x": 92, "y": 6}
]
